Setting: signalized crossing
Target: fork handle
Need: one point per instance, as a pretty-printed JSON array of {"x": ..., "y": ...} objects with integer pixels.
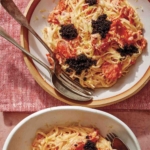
[
  {"x": 13, "y": 10},
  {"x": 10, "y": 39}
]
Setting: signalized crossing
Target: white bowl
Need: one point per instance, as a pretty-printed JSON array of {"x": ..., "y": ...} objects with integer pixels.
[
  {"x": 22, "y": 135},
  {"x": 125, "y": 87}
]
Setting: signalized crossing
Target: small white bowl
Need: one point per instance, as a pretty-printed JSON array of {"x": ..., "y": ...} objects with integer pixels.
[{"x": 22, "y": 135}]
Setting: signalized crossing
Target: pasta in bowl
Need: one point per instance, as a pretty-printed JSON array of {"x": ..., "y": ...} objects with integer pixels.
[
  {"x": 71, "y": 137},
  {"x": 95, "y": 41},
  {"x": 63, "y": 126}
]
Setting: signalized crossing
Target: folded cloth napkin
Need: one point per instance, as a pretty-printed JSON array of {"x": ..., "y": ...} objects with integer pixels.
[{"x": 18, "y": 89}]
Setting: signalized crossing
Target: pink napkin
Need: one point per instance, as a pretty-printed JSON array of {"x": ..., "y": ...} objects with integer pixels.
[{"x": 20, "y": 92}]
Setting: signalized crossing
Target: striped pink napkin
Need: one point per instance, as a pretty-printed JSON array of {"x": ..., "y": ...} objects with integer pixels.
[{"x": 18, "y": 89}]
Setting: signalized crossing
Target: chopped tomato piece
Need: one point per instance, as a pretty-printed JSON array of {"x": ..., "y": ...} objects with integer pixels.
[
  {"x": 53, "y": 17},
  {"x": 142, "y": 43},
  {"x": 61, "y": 5},
  {"x": 85, "y": 7},
  {"x": 74, "y": 43},
  {"x": 61, "y": 45},
  {"x": 111, "y": 71},
  {"x": 51, "y": 61},
  {"x": 127, "y": 13},
  {"x": 94, "y": 136},
  {"x": 79, "y": 146},
  {"x": 63, "y": 50},
  {"x": 124, "y": 35}
]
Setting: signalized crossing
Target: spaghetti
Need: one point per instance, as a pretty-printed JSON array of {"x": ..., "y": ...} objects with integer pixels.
[
  {"x": 72, "y": 137},
  {"x": 100, "y": 39}
]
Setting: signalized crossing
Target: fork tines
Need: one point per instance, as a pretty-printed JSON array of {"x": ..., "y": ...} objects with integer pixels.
[
  {"x": 110, "y": 136},
  {"x": 73, "y": 85}
]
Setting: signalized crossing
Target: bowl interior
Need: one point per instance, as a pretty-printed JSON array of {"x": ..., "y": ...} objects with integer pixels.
[{"x": 23, "y": 134}]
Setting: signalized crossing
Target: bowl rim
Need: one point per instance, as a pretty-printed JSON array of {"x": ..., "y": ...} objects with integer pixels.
[
  {"x": 50, "y": 90},
  {"x": 77, "y": 108}
]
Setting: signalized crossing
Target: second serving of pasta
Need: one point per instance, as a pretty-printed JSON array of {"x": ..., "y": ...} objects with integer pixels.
[
  {"x": 95, "y": 41},
  {"x": 71, "y": 137}
]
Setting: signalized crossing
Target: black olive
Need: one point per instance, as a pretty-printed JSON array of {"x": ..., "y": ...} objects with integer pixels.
[
  {"x": 68, "y": 32},
  {"x": 127, "y": 50},
  {"x": 101, "y": 25},
  {"x": 80, "y": 63},
  {"x": 91, "y": 2},
  {"x": 89, "y": 145}
]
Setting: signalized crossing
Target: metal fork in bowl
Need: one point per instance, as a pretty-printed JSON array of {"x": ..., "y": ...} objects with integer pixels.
[
  {"x": 57, "y": 83},
  {"x": 13, "y": 10},
  {"x": 116, "y": 142}
]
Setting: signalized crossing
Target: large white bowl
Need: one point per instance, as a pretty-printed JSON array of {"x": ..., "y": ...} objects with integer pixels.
[{"x": 22, "y": 135}]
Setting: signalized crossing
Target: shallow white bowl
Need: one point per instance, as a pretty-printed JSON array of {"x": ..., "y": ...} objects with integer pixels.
[
  {"x": 125, "y": 87},
  {"x": 22, "y": 135}
]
